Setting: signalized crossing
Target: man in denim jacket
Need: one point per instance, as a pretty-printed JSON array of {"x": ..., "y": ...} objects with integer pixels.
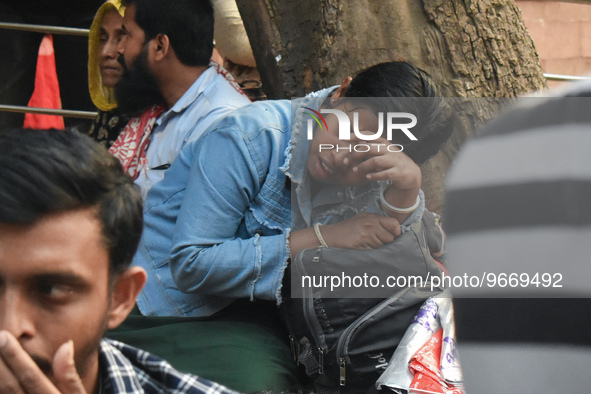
[
  {"x": 217, "y": 228},
  {"x": 218, "y": 225},
  {"x": 237, "y": 251}
]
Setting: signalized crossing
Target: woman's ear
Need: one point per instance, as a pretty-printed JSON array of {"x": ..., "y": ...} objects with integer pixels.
[
  {"x": 125, "y": 290},
  {"x": 340, "y": 92}
]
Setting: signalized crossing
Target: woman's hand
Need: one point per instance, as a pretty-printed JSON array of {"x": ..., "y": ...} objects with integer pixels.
[
  {"x": 385, "y": 162},
  {"x": 362, "y": 231}
]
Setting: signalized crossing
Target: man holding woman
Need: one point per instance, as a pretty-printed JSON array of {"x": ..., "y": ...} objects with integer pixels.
[{"x": 222, "y": 225}]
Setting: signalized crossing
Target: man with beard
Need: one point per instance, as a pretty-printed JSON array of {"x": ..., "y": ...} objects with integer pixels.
[
  {"x": 70, "y": 222},
  {"x": 166, "y": 50}
]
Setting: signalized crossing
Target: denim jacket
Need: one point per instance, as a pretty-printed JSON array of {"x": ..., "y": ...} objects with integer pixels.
[{"x": 217, "y": 226}]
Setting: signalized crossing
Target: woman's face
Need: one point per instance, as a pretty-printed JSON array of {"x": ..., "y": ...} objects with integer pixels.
[
  {"x": 109, "y": 36},
  {"x": 329, "y": 165}
]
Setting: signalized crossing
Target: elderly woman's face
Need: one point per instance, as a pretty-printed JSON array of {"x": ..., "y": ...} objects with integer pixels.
[{"x": 109, "y": 37}]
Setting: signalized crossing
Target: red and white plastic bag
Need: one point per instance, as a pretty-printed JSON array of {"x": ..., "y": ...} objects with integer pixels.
[{"x": 426, "y": 359}]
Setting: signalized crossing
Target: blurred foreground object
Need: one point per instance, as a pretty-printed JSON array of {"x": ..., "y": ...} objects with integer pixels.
[{"x": 518, "y": 219}]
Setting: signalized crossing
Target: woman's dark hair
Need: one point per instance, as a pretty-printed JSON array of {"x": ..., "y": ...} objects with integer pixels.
[
  {"x": 187, "y": 23},
  {"x": 392, "y": 79},
  {"x": 43, "y": 172},
  {"x": 401, "y": 87}
]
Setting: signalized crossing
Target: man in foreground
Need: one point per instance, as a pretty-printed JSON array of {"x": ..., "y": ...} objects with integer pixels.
[
  {"x": 523, "y": 224},
  {"x": 70, "y": 222}
]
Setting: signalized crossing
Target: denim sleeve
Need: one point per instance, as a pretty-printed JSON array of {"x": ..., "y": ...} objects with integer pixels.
[
  {"x": 205, "y": 121},
  {"x": 416, "y": 215},
  {"x": 206, "y": 255}
]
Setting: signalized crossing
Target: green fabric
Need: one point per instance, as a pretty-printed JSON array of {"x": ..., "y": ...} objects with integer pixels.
[{"x": 244, "y": 348}]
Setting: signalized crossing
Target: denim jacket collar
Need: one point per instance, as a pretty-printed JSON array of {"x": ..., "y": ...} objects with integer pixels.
[{"x": 297, "y": 152}]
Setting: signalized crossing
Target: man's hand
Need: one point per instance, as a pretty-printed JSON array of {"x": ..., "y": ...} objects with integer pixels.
[
  {"x": 362, "y": 231},
  {"x": 19, "y": 373}
]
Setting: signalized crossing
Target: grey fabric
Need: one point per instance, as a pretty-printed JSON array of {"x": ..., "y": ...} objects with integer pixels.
[
  {"x": 493, "y": 369},
  {"x": 485, "y": 255},
  {"x": 519, "y": 202},
  {"x": 548, "y": 153}
]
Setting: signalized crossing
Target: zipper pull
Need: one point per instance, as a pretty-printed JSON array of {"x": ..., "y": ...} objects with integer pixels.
[
  {"x": 342, "y": 365},
  {"x": 316, "y": 257},
  {"x": 293, "y": 348},
  {"x": 320, "y": 361}
]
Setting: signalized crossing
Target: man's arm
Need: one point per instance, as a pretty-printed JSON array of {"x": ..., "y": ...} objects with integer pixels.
[{"x": 206, "y": 256}]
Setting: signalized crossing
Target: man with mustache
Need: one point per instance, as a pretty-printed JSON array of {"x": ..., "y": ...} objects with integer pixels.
[
  {"x": 70, "y": 222},
  {"x": 167, "y": 49}
]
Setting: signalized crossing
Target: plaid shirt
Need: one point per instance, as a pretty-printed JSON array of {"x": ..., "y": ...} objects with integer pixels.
[{"x": 125, "y": 369}]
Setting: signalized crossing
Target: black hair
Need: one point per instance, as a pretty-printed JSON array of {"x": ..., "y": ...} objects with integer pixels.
[
  {"x": 43, "y": 172},
  {"x": 187, "y": 23},
  {"x": 401, "y": 87}
]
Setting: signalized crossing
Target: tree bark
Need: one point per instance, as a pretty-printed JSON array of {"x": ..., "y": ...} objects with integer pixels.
[{"x": 471, "y": 48}]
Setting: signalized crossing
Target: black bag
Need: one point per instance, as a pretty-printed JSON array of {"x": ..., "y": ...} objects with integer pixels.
[{"x": 345, "y": 343}]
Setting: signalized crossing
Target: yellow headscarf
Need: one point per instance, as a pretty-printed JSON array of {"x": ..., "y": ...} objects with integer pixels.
[{"x": 102, "y": 97}]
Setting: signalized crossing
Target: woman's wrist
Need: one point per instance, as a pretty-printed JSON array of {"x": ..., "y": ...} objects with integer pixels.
[
  {"x": 319, "y": 235},
  {"x": 398, "y": 210},
  {"x": 399, "y": 201},
  {"x": 329, "y": 235}
]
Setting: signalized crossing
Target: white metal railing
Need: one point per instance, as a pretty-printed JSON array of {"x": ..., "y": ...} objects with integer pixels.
[
  {"x": 72, "y": 31},
  {"x": 69, "y": 113},
  {"x": 560, "y": 77},
  {"x": 47, "y": 30}
]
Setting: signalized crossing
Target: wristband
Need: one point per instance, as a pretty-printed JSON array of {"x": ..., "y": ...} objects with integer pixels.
[
  {"x": 319, "y": 236},
  {"x": 392, "y": 208}
]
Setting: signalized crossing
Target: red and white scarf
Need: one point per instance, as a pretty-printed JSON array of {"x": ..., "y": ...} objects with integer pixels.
[{"x": 131, "y": 144}]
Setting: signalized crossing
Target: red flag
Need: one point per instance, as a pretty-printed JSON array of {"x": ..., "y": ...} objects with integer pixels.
[{"x": 47, "y": 90}]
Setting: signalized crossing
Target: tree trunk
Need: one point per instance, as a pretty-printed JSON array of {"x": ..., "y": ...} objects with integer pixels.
[{"x": 472, "y": 48}]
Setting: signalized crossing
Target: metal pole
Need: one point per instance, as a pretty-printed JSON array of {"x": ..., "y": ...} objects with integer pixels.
[
  {"x": 559, "y": 77},
  {"x": 45, "y": 29},
  {"x": 48, "y": 111}
]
